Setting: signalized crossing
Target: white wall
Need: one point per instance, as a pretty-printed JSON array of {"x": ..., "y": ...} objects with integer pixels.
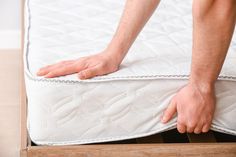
[{"x": 10, "y": 23}]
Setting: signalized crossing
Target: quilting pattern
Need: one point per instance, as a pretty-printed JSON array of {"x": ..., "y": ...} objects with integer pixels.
[{"x": 122, "y": 105}]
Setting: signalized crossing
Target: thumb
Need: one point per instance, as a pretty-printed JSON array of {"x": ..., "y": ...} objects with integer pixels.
[{"x": 169, "y": 112}]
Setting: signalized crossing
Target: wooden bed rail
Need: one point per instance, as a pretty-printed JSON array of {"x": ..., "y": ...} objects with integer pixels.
[{"x": 138, "y": 150}]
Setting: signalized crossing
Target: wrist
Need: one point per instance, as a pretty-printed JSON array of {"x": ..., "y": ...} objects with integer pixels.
[
  {"x": 114, "y": 56},
  {"x": 205, "y": 86},
  {"x": 119, "y": 46},
  {"x": 115, "y": 52},
  {"x": 203, "y": 75}
]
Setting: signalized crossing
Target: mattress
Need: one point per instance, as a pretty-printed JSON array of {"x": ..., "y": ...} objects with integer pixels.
[{"x": 122, "y": 105}]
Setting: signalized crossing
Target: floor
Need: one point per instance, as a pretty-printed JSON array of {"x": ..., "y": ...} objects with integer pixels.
[{"x": 9, "y": 103}]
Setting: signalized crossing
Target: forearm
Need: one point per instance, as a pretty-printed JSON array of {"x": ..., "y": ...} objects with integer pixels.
[
  {"x": 214, "y": 22},
  {"x": 135, "y": 16}
]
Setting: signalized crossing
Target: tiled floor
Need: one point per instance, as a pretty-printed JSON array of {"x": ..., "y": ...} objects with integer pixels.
[{"x": 9, "y": 103}]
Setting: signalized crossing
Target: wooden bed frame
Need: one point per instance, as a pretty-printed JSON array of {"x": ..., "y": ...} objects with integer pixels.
[{"x": 206, "y": 145}]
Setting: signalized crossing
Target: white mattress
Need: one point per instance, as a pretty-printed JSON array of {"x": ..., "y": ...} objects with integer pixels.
[{"x": 122, "y": 105}]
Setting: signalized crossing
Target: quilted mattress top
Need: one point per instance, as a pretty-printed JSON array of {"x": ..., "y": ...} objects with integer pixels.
[{"x": 62, "y": 29}]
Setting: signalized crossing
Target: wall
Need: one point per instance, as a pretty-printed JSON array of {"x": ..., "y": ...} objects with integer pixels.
[{"x": 9, "y": 24}]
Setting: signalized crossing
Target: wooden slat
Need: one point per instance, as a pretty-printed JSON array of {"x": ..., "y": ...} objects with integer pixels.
[
  {"x": 202, "y": 138},
  {"x": 137, "y": 150},
  {"x": 157, "y": 138}
]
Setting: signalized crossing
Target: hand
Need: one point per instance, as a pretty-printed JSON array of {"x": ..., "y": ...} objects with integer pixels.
[
  {"x": 195, "y": 106},
  {"x": 86, "y": 67}
]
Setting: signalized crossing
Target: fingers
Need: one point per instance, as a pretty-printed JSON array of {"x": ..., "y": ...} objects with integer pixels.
[
  {"x": 169, "y": 112},
  {"x": 198, "y": 129},
  {"x": 66, "y": 68},
  {"x": 87, "y": 67},
  {"x": 181, "y": 127},
  {"x": 49, "y": 67},
  {"x": 190, "y": 129},
  {"x": 61, "y": 71},
  {"x": 45, "y": 70},
  {"x": 89, "y": 73},
  {"x": 202, "y": 127},
  {"x": 191, "y": 125},
  {"x": 206, "y": 128}
]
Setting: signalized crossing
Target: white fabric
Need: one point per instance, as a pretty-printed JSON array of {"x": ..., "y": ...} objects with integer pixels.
[{"x": 122, "y": 105}]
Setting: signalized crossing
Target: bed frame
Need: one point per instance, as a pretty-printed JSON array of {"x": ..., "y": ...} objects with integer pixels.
[{"x": 198, "y": 145}]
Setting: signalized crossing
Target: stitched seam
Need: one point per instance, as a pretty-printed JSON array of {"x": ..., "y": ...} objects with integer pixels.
[{"x": 122, "y": 78}]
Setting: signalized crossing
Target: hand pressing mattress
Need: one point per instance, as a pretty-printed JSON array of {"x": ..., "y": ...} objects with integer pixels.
[{"x": 122, "y": 105}]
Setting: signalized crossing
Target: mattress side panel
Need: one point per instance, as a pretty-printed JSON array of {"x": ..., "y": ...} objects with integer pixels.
[{"x": 89, "y": 113}]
